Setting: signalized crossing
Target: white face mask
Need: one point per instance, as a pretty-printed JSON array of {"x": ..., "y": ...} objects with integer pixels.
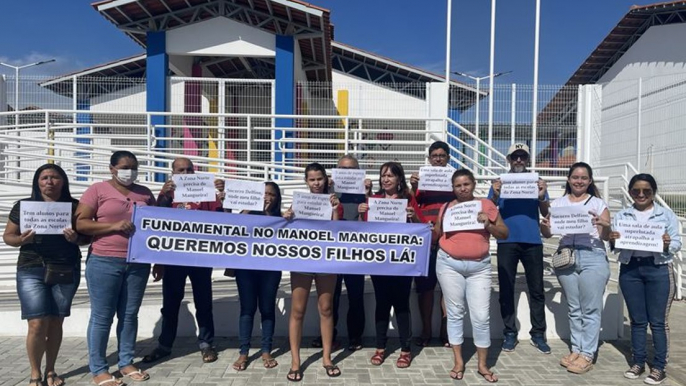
[{"x": 126, "y": 176}]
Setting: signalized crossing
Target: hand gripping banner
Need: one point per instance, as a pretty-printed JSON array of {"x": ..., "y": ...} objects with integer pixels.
[{"x": 242, "y": 241}]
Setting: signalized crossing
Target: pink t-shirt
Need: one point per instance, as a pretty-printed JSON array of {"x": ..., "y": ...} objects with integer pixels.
[
  {"x": 111, "y": 206},
  {"x": 469, "y": 245}
]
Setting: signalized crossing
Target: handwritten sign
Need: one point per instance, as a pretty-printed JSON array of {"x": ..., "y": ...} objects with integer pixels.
[
  {"x": 244, "y": 195},
  {"x": 462, "y": 217},
  {"x": 194, "y": 188},
  {"x": 436, "y": 178},
  {"x": 570, "y": 220},
  {"x": 45, "y": 218},
  {"x": 311, "y": 206},
  {"x": 387, "y": 210},
  {"x": 639, "y": 236},
  {"x": 348, "y": 181},
  {"x": 519, "y": 185}
]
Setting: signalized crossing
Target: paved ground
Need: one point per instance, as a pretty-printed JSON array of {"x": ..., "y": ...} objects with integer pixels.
[{"x": 525, "y": 366}]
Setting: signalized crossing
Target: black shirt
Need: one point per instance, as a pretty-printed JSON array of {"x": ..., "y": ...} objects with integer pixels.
[{"x": 54, "y": 249}]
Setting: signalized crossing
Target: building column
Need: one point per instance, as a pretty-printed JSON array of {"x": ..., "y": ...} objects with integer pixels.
[
  {"x": 285, "y": 92},
  {"x": 157, "y": 90},
  {"x": 83, "y": 104}
]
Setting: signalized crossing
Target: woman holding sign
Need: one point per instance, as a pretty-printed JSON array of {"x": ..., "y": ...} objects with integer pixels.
[
  {"x": 393, "y": 291},
  {"x": 114, "y": 286},
  {"x": 258, "y": 288},
  {"x": 584, "y": 281},
  {"x": 646, "y": 276},
  {"x": 48, "y": 270},
  {"x": 301, "y": 283},
  {"x": 464, "y": 269}
]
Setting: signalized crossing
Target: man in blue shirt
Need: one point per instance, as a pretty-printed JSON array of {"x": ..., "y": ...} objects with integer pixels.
[{"x": 523, "y": 244}]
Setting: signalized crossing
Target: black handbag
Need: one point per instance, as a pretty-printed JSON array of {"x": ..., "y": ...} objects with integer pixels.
[{"x": 58, "y": 274}]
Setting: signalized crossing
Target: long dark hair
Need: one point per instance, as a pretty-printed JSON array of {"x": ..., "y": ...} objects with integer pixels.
[
  {"x": 397, "y": 170},
  {"x": 592, "y": 189},
  {"x": 644, "y": 177},
  {"x": 276, "y": 207},
  {"x": 65, "y": 195},
  {"x": 317, "y": 167}
]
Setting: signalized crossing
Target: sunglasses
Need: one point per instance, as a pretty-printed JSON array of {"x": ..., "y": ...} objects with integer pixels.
[
  {"x": 638, "y": 192},
  {"x": 522, "y": 156}
]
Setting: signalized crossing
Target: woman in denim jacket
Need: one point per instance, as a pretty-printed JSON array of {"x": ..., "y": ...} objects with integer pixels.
[{"x": 647, "y": 278}]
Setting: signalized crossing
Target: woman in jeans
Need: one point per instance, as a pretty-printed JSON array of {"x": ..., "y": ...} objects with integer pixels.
[
  {"x": 584, "y": 282},
  {"x": 114, "y": 286},
  {"x": 647, "y": 279},
  {"x": 393, "y": 291},
  {"x": 258, "y": 288},
  {"x": 464, "y": 270},
  {"x": 301, "y": 283},
  {"x": 45, "y": 304}
]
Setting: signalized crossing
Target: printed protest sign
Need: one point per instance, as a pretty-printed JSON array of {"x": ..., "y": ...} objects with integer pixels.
[
  {"x": 194, "y": 188},
  {"x": 570, "y": 220},
  {"x": 227, "y": 240},
  {"x": 387, "y": 210},
  {"x": 436, "y": 178},
  {"x": 348, "y": 181},
  {"x": 243, "y": 195},
  {"x": 311, "y": 206},
  {"x": 45, "y": 218},
  {"x": 462, "y": 217},
  {"x": 640, "y": 236},
  {"x": 519, "y": 185}
]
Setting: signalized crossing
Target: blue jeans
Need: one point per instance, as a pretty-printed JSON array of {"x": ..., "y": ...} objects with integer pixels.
[
  {"x": 173, "y": 291},
  {"x": 466, "y": 283},
  {"x": 648, "y": 292},
  {"x": 584, "y": 286},
  {"x": 38, "y": 299},
  {"x": 257, "y": 288},
  {"x": 114, "y": 286}
]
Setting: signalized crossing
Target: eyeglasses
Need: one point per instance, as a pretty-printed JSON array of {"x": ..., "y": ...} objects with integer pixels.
[
  {"x": 638, "y": 192},
  {"x": 438, "y": 156}
]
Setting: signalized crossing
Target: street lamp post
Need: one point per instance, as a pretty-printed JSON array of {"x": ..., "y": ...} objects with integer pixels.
[
  {"x": 16, "y": 95},
  {"x": 478, "y": 89}
]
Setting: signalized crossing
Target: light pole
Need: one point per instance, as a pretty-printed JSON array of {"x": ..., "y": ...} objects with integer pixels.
[
  {"x": 478, "y": 89},
  {"x": 16, "y": 95}
]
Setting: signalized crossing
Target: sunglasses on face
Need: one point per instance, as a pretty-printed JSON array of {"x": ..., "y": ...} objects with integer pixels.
[
  {"x": 638, "y": 192},
  {"x": 521, "y": 156}
]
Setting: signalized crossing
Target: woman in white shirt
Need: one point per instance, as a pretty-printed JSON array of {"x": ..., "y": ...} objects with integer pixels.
[{"x": 584, "y": 282}]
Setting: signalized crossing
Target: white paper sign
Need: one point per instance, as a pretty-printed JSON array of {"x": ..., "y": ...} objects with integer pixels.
[
  {"x": 519, "y": 185},
  {"x": 436, "y": 178},
  {"x": 387, "y": 210},
  {"x": 348, "y": 181},
  {"x": 244, "y": 195},
  {"x": 462, "y": 217},
  {"x": 46, "y": 218},
  {"x": 194, "y": 188},
  {"x": 640, "y": 236},
  {"x": 311, "y": 206},
  {"x": 570, "y": 220}
]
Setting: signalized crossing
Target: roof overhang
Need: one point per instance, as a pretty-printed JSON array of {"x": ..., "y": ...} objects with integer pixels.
[{"x": 310, "y": 25}]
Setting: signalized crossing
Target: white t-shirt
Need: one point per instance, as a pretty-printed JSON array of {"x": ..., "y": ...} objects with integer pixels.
[
  {"x": 592, "y": 240},
  {"x": 643, "y": 216}
]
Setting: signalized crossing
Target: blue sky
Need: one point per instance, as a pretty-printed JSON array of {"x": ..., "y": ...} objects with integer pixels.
[{"x": 409, "y": 31}]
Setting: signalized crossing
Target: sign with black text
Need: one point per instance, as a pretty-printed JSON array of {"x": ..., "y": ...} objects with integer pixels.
[
  {"x": 311, "y": 206},
  {"x": 639, "y": 236},
  {"x": 436, "y": 178},
  {"x": 348, "y": 181},
  {"x": 570, "y": 220},
  {"x": 462, "y": 217},
  {"x": 519, "y": 185},
  {"x": 44, "y": 218},
  {"x": 387, "y": 210},
  {"x": 194, "y": 188},
  {"x": 244, "y": 195}
]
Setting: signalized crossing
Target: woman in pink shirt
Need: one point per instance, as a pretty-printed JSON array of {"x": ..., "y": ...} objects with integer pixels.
[
  {"x": 114, "y": 286},
  {"x": 463, "y": 268}
]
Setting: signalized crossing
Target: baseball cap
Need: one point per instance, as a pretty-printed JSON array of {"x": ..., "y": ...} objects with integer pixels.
[{"x": 518, "y": 147}]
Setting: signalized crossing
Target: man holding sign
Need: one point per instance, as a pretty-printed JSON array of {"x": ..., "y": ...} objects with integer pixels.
[
  {"x": 523, "y": 244},
  {"x": 174, "y": 277},
  {"x": 647, "y": 236}
]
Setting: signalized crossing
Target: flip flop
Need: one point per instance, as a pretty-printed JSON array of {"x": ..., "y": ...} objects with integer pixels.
[
  {"x": 110, "y": 380},
  {"x": 269, "y": 363},
  {"x": 297, "y": 375},
  {"x": 137, "y": 375},
  {"x": 332, "y": 371},
  {"x": 38, "y": 380},
  {"x": 240, "y": 365},
  {"x": 457, "y": 374},
  {"x": 490, "y": 374},
  {"x": 54, "y": 378}
]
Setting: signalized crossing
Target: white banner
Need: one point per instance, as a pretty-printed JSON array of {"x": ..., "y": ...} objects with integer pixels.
[
  {"x": 387, "y": 210},
  {"x": 348, "y": 181},
  {"x": 45, "y": 218},
  {"x": 462, "y": 217},
  {"x": 244, "y": 195},
  {"x": 194, "y": 188},
  {"x": 640, "y": 236},
  {"x": 570, "y": 220},
  {"x": 436, "y": 178},
  {"x": 519, "y": 185},
  {"x": 311, "y": 206}
]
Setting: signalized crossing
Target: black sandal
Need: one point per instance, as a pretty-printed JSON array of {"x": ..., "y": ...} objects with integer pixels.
[
  {"x": 156, "y": 355},
  {"x": 332, "y": 371},
  {"x": 53, "y": 377},
  {"x": 297, "y": 375},
  {"x": 38, "y": 380},
  {"x": 209, "y": 355}
]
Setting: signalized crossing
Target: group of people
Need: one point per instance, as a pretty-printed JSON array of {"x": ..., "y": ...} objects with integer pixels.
[{"x": 48, "y": 272}]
